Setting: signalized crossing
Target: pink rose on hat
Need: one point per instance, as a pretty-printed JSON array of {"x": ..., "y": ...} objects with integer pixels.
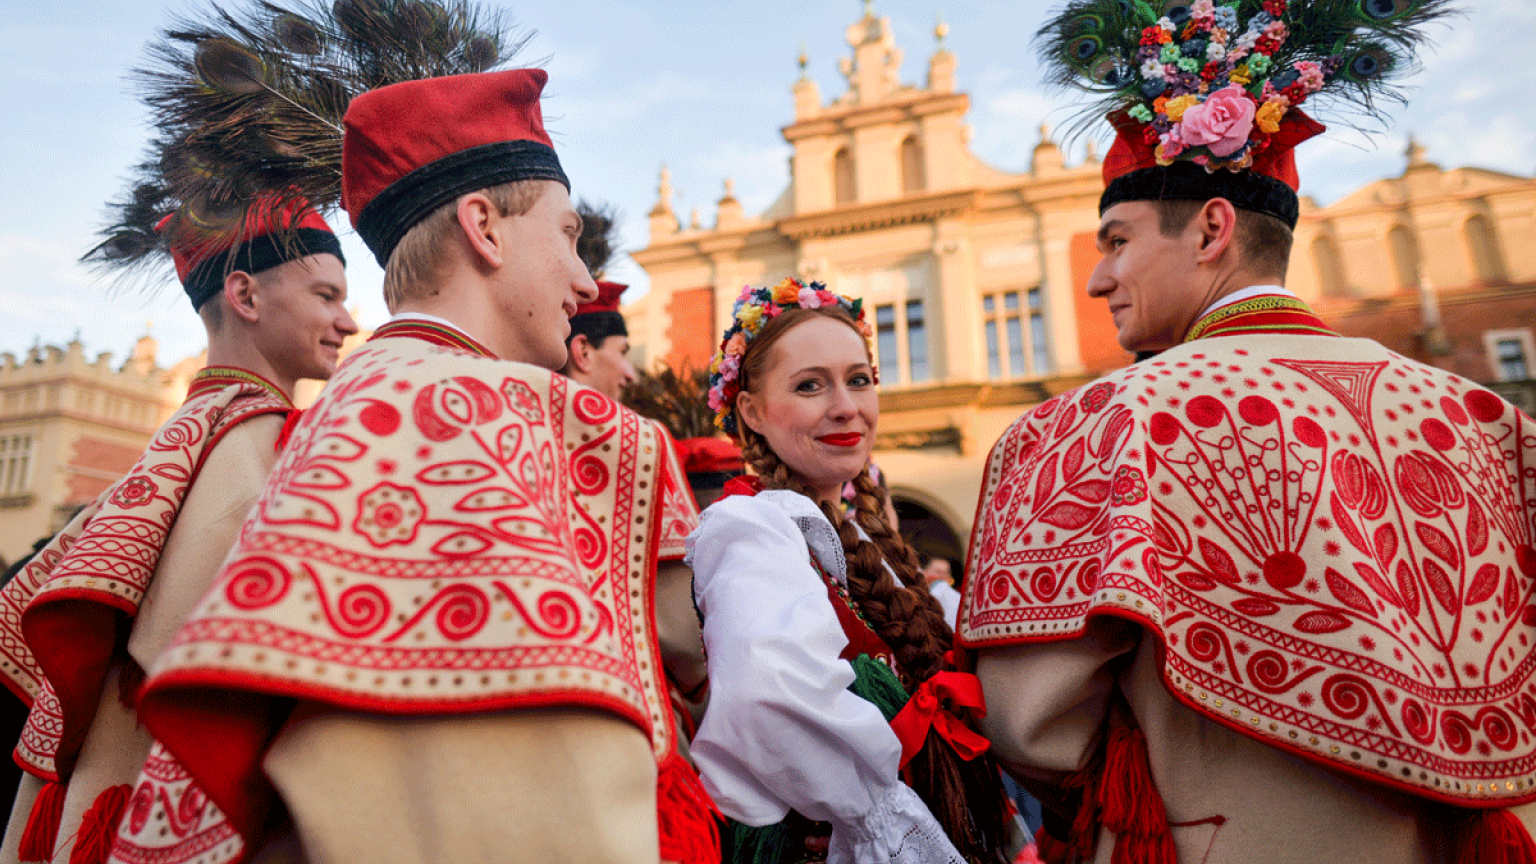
[{"x": 1221, "y": 123}]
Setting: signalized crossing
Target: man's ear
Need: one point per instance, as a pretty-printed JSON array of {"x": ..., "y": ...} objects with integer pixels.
[
  {"x": 478, "y": 218},
  {"x": 580, "y": 350},
  {"x": 748, "y": 410},
  {"x": 240, "y": 292},
  {"x": 1217, "y": 223}
]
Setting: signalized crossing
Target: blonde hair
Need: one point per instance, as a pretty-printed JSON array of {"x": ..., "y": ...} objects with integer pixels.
[{"x": 413, "y": 267}]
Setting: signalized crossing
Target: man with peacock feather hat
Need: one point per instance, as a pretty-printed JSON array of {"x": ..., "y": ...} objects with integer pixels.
[
  {"x": 265, "y": 273},
  {"x": 1266, "y": 595},
  {"x": 435, "y": 639}
]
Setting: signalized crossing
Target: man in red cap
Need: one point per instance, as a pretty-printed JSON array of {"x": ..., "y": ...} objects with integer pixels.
[
  {"x": 101, "y": 602},
  {"x": 1266, "y": 595},
  {"x": 598, "y": 347},
  {"x": 434, "y": 640}
]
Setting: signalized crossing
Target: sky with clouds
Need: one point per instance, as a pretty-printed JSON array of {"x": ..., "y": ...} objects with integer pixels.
[{"x": 703, "y": 87}]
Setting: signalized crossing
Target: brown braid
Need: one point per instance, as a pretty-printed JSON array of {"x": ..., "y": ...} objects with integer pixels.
[{"x": 967, "y": 798}]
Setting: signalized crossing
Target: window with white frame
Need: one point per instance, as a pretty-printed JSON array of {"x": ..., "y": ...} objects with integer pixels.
[
  {"x": 15, "y": 463},
  {"x": 1018, "y": 345},
  {"x": 1511, "y": 353}
]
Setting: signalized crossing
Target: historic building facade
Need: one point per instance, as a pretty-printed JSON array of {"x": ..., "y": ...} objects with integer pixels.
[
  {"x": 70, "y": 427},
  {"x": 975, "y": 276}
]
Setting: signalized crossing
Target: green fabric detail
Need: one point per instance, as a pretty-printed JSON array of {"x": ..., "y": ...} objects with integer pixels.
[{"x": 874, "y": 682}]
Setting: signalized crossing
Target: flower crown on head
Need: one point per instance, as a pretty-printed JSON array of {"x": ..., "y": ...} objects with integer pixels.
[
  {"x": 752, "y": 311},
  {"x": 1211, "y": 81}
]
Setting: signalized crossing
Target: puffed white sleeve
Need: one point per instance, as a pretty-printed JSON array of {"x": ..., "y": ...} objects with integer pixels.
[{"x": 782, "y": 730}]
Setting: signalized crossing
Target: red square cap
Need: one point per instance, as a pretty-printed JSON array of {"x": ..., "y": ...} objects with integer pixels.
[
  {"x": 601, "y": 318},
  {"x": 411, "y": 147},
  {"x": 274, "y": 230}
]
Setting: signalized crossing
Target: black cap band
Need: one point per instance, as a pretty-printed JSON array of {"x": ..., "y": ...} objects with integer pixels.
[
  {"x": 410, "y": 199},
  {"x": 597, "y": 326},
  {"x": 1186, "y": 181},
  {"x": 253, "y": 256}
]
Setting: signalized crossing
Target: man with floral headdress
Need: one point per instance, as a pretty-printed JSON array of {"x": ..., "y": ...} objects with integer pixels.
[
  {"x": 434, "y": 641},
  {"x": 1270, "y": 594},
  {"x": 101, "y": 602}
]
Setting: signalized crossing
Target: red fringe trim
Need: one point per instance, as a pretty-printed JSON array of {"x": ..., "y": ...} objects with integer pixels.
[
  {"x": 1494, "y": 837},
  {"x": 1132, "y": 807},
  {"x": 686, "y": 817},
  {"x": 99, "y": 827},
  {"x": 42, "y": 831}
]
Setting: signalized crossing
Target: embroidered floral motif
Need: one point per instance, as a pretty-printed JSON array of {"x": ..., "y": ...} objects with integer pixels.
[
  {"x": 1129, "y": 486},
  {"x": 134, "y": 492},
  {"x": 388, "y": 514}
]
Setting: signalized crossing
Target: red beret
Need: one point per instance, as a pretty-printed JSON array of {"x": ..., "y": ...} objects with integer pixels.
[
  {"x": 1268, "y": 186},
  {"x": 409, "y": 148},
  {"x": 274, "y": 231}
]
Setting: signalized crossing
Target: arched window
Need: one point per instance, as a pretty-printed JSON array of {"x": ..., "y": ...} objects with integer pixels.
[
  {"x": 1405, "y": 257},
  {"x": 912, "y": 179},
  {"x": 1483, "y": 249},
  {"x": 1330, "y": 267},
  {"x": 842, "y": 177}
]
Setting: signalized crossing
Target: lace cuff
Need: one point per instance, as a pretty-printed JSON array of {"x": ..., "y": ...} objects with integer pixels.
[{"x": 900, "y": 830}]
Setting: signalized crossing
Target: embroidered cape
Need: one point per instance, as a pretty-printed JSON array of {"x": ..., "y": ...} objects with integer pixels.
[
  {"x": 1333, "y": 543},
  {"x": 60, "y": 616},
  {"x": 446, "y": 533}
]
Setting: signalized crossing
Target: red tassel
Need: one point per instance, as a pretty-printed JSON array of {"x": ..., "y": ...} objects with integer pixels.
[
  {"x": 1132, "y": 807},
  {"x": 1494, "y": 837},
  {"x": 42, "y": 831},
  {"x": 686, "y": 817},
  {"x": 99, "y": 827}
]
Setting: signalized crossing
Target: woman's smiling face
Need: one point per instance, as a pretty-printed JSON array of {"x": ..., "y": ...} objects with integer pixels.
[{"x": 815, "y": 403}]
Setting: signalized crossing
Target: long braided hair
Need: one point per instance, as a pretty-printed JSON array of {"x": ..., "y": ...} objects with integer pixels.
[{"x": 966, "y": 797}]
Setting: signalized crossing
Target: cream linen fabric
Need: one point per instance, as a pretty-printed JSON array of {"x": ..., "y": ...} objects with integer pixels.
[
  {"x": 782, "y": 730},
  {"x": 511, "y": 787},
  {"x": 1045, "y": 702},
  {"x": 115, "y": 748}
]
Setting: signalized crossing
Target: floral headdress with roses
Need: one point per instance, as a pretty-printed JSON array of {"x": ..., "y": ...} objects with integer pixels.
[
  {"x": 1219, "y": 83},
  {"x": 754, "y": 308}
]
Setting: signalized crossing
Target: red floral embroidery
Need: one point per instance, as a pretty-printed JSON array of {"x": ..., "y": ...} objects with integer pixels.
[
  {"x": 1130, "y": 487},
  {"x": 388, "y": 514},
  {"x": 134, "y": 492}
]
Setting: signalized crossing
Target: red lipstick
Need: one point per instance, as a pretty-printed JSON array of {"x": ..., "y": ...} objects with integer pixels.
[{"x": 842, "y": 439}]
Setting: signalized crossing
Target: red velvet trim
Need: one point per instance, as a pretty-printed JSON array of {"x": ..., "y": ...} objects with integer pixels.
[
  {"x": 687, "y": 819},
  {"x": 99, "y": 826},
  {"x": 42, "y": 831}
]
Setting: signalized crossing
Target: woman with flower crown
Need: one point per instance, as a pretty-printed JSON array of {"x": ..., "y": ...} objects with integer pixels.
[{"x": 816, "y": 625}]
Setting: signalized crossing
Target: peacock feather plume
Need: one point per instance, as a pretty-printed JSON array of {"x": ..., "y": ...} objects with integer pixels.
[
  {"x": 1151, "y": 62},
  {"x": 249, "y": 103}
]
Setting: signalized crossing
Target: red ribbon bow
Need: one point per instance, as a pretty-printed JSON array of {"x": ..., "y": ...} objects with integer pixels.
[{"x": 926, "y": 709}]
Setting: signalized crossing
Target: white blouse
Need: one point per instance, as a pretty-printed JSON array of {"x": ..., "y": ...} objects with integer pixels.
[{"x": 782, "y": 730}]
